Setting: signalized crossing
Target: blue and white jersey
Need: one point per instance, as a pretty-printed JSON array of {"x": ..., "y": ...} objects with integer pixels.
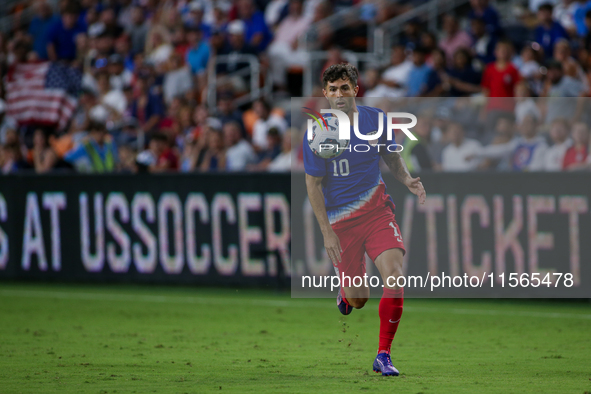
[{"x": 353, "y": 182}]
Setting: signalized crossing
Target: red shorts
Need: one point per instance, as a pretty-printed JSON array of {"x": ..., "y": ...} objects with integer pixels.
[{"x": 372, "y": 233}]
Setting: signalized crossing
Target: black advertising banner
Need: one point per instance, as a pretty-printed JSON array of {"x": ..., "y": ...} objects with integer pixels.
[
  {"x": 477, "y": 235},
  {"x": 194, "y": 229},
  {"x": 511, "y": 230}
]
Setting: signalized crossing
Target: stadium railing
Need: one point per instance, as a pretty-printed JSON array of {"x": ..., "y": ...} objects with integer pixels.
[
  {"x": 316, "y": 60},
  {"x": 428, "y": 12},
  {"x": 8, "y": 21},
  {"x": 253, "y": 69}
]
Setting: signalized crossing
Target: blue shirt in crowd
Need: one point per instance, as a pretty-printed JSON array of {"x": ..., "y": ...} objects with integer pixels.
[
  {"x": 198, "y": 56},
  {"x": 256, "y": 24},
  {"x": 64, "y": 40},
  {"x": 39, "y": 30},
  {"x": 548, "y": 37},
  {"x": 418, "y": 80}
]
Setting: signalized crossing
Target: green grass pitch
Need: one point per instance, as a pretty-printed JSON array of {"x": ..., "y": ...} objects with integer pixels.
[{"x": 122, "y": 339}]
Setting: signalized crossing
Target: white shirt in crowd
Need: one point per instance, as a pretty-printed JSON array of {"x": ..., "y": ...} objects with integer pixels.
[
  {"x": 526, "y": 107},
  {"x": 262, "y": 127},
  {"x": 454, "y": 158},
  {"x": 176, "y": 83},
  {"x": 555, "y": 155},
  {"x": 122, "y": 80},
  {"x": 239, "y": 156},
  {"x": 398, "y": 74},
  {"x": 532, "y": 158},
  {"x": 282, "y": 163}
]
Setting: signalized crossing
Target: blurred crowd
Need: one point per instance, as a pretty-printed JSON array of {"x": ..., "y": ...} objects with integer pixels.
[{"x": 515, "y": 93}]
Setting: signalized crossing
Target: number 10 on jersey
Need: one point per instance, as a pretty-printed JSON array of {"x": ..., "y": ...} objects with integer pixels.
[{"x": 343, "y": 167}]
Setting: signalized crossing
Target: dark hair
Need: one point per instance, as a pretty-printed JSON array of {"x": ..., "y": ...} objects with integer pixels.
[
  {"x": 265, "y": 104},
  {"x": 588, "y": 14},
  {"x": 420, "y": 49},
  {"x": 94, "y": 125},
  {"x": 71, "y": 8},
  {"x": 273, "y": 132},
  {"x": 159, "y": 137},
  {"x": 338, "y": 71},
  {"x": 546, "y": 7}
]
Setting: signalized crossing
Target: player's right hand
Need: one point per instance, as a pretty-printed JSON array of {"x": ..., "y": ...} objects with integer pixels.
[{"x": 333, "y": 247}]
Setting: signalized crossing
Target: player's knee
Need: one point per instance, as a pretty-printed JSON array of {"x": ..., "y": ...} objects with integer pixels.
[{"x": 357, "y": 303}]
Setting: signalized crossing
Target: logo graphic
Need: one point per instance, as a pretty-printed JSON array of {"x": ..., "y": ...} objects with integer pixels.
[{"x": 327, "y": 143}]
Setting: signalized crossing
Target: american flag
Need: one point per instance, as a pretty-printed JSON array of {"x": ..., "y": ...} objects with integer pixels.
[{"x": 42, "y": 93}]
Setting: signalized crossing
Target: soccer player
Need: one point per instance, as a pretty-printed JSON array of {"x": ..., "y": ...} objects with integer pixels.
[{"x": 355, "y": 214}]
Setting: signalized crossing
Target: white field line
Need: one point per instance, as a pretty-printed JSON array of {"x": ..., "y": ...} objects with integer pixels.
[{"x": 293, "y": 303}]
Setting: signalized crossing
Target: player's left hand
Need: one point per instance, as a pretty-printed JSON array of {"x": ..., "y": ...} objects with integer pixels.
[{"x": 416, "y": 187}]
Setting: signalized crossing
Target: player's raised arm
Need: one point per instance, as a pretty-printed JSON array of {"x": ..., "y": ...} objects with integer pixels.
[
  {"x": 398, "y": 167},
  {"x": 331, "y": 240}
]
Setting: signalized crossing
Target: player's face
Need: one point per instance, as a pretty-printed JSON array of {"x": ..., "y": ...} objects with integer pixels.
[{"x": 341, "y": 94}]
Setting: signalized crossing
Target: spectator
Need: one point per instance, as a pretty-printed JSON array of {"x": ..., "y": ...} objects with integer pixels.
[
  {"x": 127, "y": 160},
  {"x": 484, "y": 42},
  {"x": 481, "y": 9},
  {"x": 416, "y": 152},
  {"x": 97, "y": 153},
  {"x": 499, "y": 81},
  {"x": 108, "y": 18},
  {"x": 282, "y": 163},
  {"x": 420, "y": 76},
  {"x": 266, "y": 121},
  {"x": 463, "y": 80},
  {"x": 587, "y": 35},
  {"x": 158, "y": 46},
  {"x": 394, "y": 78},
  {"x": 562, "y": 54},
  {"x": 559, "y": 86},
  {"x": 119, "y": 76},
  {"x": 411, "y": 35},
  {"x": 504, "y": 133},
  {"x": 554, "y": 159},
  {"x": 12, "y": 158},
  {"x": 194, "y": 19},
  {"x": 526, "y": 153},
  {"x": 40, "y": 27},
  {"x": 148, "y": 107},
  {"x": 226, "y": 112},
  {"x": 548, "y": 31},
  {"x": 529, "y": 67},
  {"x": 576, "y": 156},
  {"x": 236, "y": 45},
  {"x": 283, "y": 51},
  {"x": 177, "y": 80},
  {"x": 7, "y": 124},
  {"x": 159, "y": 157},
  {"x": 271, "y": 152},
  {"x": 459, "y": 154},
  {"x": 564, "y": 13},
  {"x": 61, "y": 40},
  {"x": 44, "y": 158},
  {"x": 198, "y": 51},
  {"x": 524, "y": 103},
  {"x": 113, "y": 100},
  {"x": 256, "y": 33},
  {"x": 138, "y": 30},
  {"x": 454, "y": 38},
  {"x": 215, "y": 156},
  {"x": 239, "y": 152}
]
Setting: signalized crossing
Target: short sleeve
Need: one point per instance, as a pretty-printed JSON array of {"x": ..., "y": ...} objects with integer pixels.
[{"x": 313, "y": 165}]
